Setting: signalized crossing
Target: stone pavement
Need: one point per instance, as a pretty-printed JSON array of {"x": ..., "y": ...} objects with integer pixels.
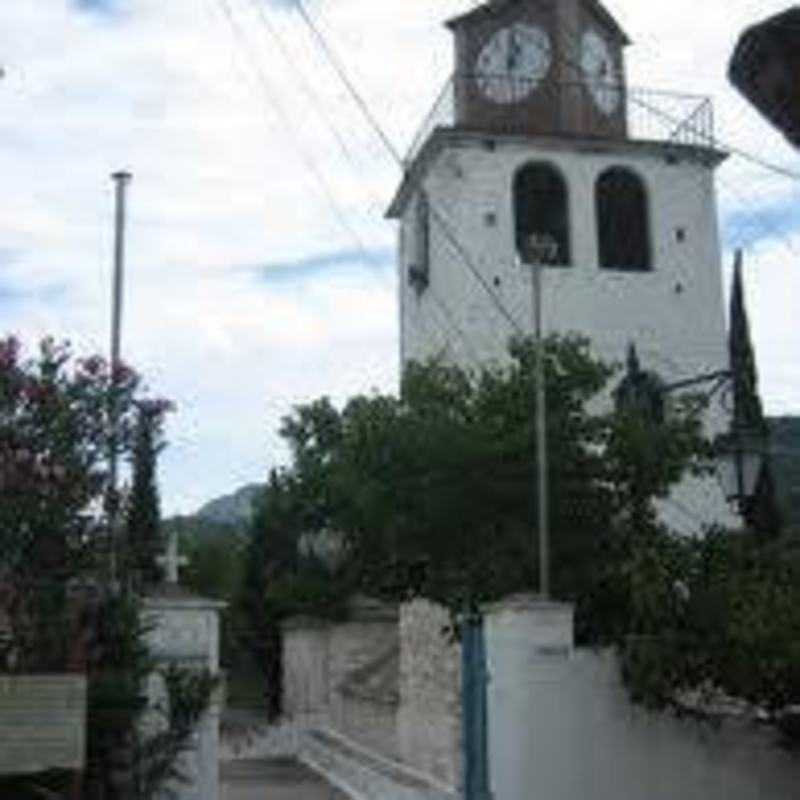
[{"x": 273, "y": 779}]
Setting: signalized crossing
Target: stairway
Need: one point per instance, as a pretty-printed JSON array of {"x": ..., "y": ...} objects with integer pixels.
[{"x": 362, "y": 774}]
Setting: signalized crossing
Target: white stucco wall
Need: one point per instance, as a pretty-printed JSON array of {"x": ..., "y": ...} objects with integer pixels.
[
  {"x": 305, "y": 668},
  {"x": 321, "y": 657},
  {"x": 674, "y": 313},
  {"x": 429, "y": 717},
  {"x": 184, "y": 630},
  {"x": 561, "y": 727}
]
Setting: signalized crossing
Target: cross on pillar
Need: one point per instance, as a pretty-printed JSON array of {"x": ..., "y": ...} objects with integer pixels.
[{"x": 171, "y": 561}]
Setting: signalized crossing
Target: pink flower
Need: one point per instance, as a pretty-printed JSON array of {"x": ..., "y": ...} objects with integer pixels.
[
  {"x": 35, "y": 391},
  {"x": 122, "y": 373},
  {"x": 9, "y": 352},
  {"x": 92, "y": 366}
]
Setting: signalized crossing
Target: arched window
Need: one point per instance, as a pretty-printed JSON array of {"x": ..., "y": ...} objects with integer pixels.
[
  {"x": 623, "y": 227},
  {"x": 541, "y": 209},
  {"x": 419, "y": 270}
]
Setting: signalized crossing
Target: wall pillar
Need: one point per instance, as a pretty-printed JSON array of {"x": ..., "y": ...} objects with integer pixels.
[
  {"x": 529, "y": 647},
  {"x": 185, "y": 632}
]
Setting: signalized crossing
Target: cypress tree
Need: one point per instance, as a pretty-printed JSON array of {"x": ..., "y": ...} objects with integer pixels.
[
  {"x": 144, "y": 512},
  {"x": 761, "y": 511}
]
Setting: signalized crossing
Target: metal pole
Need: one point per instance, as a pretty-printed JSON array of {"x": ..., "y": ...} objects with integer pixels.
[
  {"x": 475, "y": 742},
  {"x": 121, "y": 180},
  {"x": 541, "y": 433}
]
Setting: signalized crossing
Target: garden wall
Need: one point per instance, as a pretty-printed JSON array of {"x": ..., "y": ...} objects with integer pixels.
[
  {"x": 561, "y": 727},
  {"x": 343, "y": 675},
  {"x": 429, "y": 714}
]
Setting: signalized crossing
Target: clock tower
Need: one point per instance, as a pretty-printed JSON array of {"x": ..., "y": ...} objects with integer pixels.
[
  {"x": 531, "y": 67},
  {"x": 538, "y": 136}
]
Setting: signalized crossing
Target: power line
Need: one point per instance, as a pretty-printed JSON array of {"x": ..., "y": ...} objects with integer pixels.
[
  {"x": 362, "y": 104},
  {"x": 713, "y": 141},
  {"x": 278, "y": 107},
  {"x": 366, "y": 256},
  {"x": 338, "y": 67},
  {"x": 308, "y": 91},
  {"x": 364, "y": 107},
  {"x": 759, "y": 161}
]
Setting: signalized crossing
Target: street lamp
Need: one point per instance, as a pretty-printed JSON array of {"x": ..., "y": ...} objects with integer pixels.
[
  {"x": 541, "y": 249},
  {"x": 741, "y": 459},
  {"x": 740, "y": 452}
]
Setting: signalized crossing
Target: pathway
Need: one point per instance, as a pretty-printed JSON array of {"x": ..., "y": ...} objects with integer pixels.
[{"x": 273, "y": 779}]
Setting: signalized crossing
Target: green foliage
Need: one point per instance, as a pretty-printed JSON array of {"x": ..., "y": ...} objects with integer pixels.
[
  {"x": 216, "y": 563},
  {"x": 144, "y": 538},
  {"x": 55, "y": 442},
  {"x": 761, "y": 512},
  {"x": 158, "y": 756},
  {"x": 217, "y": 566},
  {"x": 128, "y": 756},
  {"x": 786, "y": 466},
  {"x": 433, "y": 490},
  {"x": 433, "y": 494},
  {"x": 53, "y": 449},
  {"x": 711, "y": 617}
]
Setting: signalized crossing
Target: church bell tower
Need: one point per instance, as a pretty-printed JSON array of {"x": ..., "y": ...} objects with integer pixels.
[
  {"x": 538, "y": 135},
  {"x": 553, "y": 67}
]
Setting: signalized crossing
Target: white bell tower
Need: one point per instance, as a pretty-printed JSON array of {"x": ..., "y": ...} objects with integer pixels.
[{"x": 538, "y": 133}]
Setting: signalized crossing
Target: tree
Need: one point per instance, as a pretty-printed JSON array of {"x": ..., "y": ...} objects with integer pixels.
[
  {"x": 55, "y": 443},
  {"x": 279, "y": 580},
  {"x": 54, "y": 448},
  {"x": 433, "y": 490},
  {"x": 761, "y": 512},
  {"x": 433, "y": 493},
  {"x": 713, "y": 619},
  {"x": 144, "y": 537}
]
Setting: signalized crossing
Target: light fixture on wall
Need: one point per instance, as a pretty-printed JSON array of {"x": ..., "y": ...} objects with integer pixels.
[{"x": 741, "y": 455}]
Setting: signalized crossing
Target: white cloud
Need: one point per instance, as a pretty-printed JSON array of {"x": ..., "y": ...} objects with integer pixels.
[{"x": 224, "y": 167}]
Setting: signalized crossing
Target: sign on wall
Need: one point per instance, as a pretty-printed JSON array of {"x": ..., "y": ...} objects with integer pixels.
[{"x": 42, "y": 723}]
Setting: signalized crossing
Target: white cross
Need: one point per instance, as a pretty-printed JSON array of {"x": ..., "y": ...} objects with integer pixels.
[{"x": 172, "y": 561}]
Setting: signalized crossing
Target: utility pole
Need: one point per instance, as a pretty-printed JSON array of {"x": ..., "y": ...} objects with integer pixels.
[
  {"x": 542, "y": 249},
  {"x": 121, "y": 180}
]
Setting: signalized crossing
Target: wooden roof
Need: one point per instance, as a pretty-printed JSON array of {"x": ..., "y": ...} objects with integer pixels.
[{"x": 499, "y": 6}]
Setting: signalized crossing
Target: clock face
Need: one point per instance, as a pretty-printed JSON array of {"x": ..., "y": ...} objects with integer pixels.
[
  {"x": 600, "y": 72},
  {"x": 513, "y": 63}
]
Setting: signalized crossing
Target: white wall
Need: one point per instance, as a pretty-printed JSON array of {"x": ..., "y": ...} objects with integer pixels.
[
  {"x": 673, "y": 313},
  {"x": 562, "y": 728},
  {"x": 320, "y": 659},
  {"x": 677, "y": 333},
  {"x": 429, "y": 716},
  {"x": 185, "y": 631}
]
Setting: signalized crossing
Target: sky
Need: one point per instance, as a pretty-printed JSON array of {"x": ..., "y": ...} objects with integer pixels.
[{"x": 260, "y": 269}]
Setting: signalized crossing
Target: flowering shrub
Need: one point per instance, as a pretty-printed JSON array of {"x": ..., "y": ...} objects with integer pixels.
[{"x": 55, "y": 443}]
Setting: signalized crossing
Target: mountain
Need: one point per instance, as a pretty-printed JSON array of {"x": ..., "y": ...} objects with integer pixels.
[
  {"x": 218, "y": 518},
  {"x": 231, "y": 509}
]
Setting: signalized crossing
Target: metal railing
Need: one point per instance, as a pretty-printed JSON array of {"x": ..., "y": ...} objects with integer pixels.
[{"x": 507, "y": 104}]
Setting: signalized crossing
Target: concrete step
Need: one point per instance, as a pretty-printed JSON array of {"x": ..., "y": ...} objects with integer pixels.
[
  {"x": 247, "y": 736},
  {"x": 362, "y": 774}
]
